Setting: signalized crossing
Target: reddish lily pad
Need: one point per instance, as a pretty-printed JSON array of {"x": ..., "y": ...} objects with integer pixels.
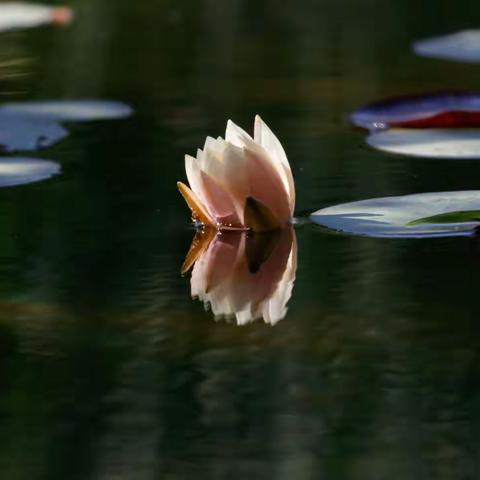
[{"x": 436, "y": 110}]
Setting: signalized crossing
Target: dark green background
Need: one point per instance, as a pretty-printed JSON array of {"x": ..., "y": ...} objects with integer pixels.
[{"x": 109, "y": 371}]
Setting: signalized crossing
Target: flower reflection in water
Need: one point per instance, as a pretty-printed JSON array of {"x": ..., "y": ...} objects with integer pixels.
[{"x": 241, "y": 275}]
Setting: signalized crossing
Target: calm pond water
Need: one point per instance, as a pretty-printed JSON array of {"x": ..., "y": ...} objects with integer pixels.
[{"x": 108, "y": 370}]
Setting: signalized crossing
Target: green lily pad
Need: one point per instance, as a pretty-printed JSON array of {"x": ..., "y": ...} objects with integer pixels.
[{"x": 420, "y": 215}]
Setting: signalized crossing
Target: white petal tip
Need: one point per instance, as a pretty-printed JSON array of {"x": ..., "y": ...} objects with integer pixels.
[{"x": 230, "y": 124}]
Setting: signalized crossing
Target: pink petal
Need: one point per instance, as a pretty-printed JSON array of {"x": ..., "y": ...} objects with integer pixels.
[
  {"x": 266, "y": 185},
  {"x": 235, "y": 178},
  {"x": 222, "y": 190},
  {"x": 219, "y": 202},
  {"x": 210, "y": 160},
  {"x": 192, "y": 170},
  {"x": 266, "y": 138},
  {"x": 210, "y": 191},
  {"x": 195, "y": 180},
  {"x": 237, "y": 136}
]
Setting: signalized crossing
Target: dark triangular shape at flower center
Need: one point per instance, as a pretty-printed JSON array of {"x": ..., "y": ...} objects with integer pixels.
[{"x": 258, "y": 217}]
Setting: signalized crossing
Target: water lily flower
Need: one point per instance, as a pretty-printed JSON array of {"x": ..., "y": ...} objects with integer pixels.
[
  {"x": 240, "y": 183},
  {"x": 243, "y": 276}
]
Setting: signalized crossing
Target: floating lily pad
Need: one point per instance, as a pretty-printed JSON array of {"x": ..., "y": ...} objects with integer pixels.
[
  {"x": 21, "y": 15},
  {"x": 19, "y": 132},
  {"x": 417, "y": 216},
  {"x": 19, "y": 171},
  {"x": 429, "y": 143},
  {"x": 460, "y": 46},
  {"x": 68, "y": 110},
  {"x": 33, "y": 125},
  {"x": 443, "y": 110}
]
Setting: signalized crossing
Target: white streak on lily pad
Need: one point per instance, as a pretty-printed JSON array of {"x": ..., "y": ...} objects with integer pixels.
[
  {"x": 462, "y": 46},
  {"x": 406, "y": 216},
  {"x": 430, "y": 143},
  {"x": 19, "y": 171},
  {"x": 69, "y": 110},
  {"x": 20, "y": 15}
]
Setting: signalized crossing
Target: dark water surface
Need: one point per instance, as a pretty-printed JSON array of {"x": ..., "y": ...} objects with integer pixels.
[{"x": 109, "y": 371}]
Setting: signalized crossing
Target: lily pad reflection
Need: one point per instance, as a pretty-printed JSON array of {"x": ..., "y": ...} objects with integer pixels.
[
  {"x": 418, "y": 216},
  {"x": 19, "y": 171},
  {"x": 438, "y": 110},
  {"x": 68, "y": 110},
  {"x": 243, "y": 276},
  {"x": 33, "y": 125},
  {"x": 461, "y": 46},
  {"x": 430, "y": 143}
]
